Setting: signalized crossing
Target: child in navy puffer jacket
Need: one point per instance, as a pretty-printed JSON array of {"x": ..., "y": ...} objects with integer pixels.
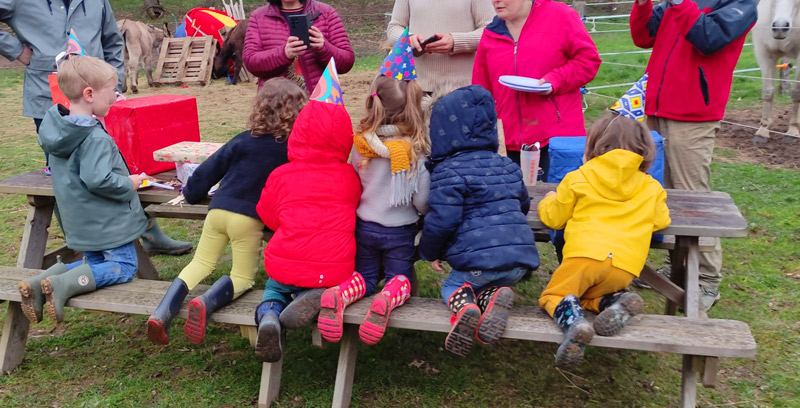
[{"x": 477, "y": 218}]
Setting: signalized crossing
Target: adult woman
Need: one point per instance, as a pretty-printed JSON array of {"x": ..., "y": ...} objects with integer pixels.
[
  {"x": 269, "y": 50},
  {"x": 536, "y": 39}
]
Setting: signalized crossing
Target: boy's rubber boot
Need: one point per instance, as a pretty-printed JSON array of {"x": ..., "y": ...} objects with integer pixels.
[
  {"x": 577, "y": 332},
  {"x": 303, "y": 309},
  {"x": 466, "y": 315},
  {"x": 615, "y": 311},
  {"x": 155, "y": 242},
  {"x": 269, "y": 343},
  {"x": 201, "y": 308},
  {"x": 30, "y": 290},
  {"x": 333, "y": 302},
  {"x": 159, "y": 321},
  {"x": 495, "y": 304},
  {"x": 393, "y": 295},
  {"x": 60, "y": 288}
]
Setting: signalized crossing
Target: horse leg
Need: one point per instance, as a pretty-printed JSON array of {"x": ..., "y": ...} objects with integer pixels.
[
  {"x": 793, "y": 127},
  {"x": 237, "y": 65},
  {"x": 148, "y": 68},
  {"x": 133, "y": 71},
  {"x": 767, "y": 65}
]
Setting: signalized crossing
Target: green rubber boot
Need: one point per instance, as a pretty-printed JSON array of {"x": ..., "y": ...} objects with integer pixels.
[
  {"x": 60, "y": 288},
  {"x": 155, "y": 242},
  {"x": 30, "y": 290}
]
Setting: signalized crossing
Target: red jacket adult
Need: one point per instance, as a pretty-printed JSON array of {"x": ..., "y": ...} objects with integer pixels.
[
  {"x": 554, "y": 45},
  {"x": 265, "y": 40},
  {"x": 311, "y": 202},
  {"x": 695, "y": 48}
]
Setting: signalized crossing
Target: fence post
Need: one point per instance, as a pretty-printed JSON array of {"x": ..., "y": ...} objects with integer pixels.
[
  {"x": 580, "y": 7},
  {"x": 785, "y": 73}
]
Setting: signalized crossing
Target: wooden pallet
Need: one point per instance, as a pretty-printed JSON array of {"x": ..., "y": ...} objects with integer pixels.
[{"x": 186, "y": 60}]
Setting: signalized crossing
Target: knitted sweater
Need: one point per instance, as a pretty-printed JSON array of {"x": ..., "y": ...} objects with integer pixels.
[{"x": 463, "y": 19}]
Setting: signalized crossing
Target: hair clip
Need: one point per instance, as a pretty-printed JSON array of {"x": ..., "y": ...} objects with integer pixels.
[{"x": 374, "y": 95}]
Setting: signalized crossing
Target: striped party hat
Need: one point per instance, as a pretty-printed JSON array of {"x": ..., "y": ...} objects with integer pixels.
[{"x": 328, "y": 88}]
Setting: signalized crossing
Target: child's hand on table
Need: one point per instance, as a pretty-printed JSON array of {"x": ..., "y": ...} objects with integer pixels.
[{"x": 137, "y": 180}]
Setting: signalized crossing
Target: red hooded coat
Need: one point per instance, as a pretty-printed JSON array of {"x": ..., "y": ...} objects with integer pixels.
[{"x": 311, "y": 202}]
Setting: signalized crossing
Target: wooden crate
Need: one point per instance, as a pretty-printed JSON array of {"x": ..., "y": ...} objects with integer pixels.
[{"x": 186, "y": 60}]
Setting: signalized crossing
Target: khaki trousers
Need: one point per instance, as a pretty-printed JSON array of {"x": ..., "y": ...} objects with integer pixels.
[{"x": 688, "y": 150}]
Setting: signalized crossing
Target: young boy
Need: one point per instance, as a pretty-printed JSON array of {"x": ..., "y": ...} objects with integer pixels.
[
  {"x": 477, "y": 218},
  {"x": 96, "y": 196}
]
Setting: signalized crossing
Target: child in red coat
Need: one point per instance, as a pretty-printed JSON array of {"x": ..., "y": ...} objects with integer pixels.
[{"x": 311, "y": 204}]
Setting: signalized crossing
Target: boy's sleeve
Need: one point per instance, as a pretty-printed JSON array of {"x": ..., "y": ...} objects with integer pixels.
[
  {"x": 446, "y": 203},
  {"x": 97, "y": 172},
  {"x": 661, "y": 219},
  {"x": 267, "y": 207},
  {"x": 420, "y": 198},
  {"x": 209, "y": 173},
  {"x": 556, "y": 210}
]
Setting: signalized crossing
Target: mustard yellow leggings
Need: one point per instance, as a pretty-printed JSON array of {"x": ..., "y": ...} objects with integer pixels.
[
  {"x": 586, "y": 278},
  {"x": 243, "y": 232}
]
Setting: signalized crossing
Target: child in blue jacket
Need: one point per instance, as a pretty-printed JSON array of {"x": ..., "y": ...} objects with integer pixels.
[{"x": 477, "y": 218}]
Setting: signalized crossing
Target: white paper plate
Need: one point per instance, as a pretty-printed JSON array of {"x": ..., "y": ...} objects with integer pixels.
[{"x": 524, "y": 84}]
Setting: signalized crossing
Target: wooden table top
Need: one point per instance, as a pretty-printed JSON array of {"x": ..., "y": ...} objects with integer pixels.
[{"x": 693, "y": 213}]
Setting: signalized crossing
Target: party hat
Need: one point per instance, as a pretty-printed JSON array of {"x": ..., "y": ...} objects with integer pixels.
[
  {"x": 328, "y": 88},
  {"x": 632, "y": 103},
  {"x": 399, "y": 64},
  {"x": 73, "y": 45}
]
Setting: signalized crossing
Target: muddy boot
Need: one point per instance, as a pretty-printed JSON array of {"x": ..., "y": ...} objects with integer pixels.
[
  {"x": 333, "y": 302},
  {"x": 31, "y": 291},
  {"x": 158, "y": 323},
  {"x": 495, "y": 304},
  {"x": 201, "y": 308},
  {"x": 615, "y": 311},
  {"x": 577, "y": 332},
  {"x": 302, "y": 310},
  {"x": 269, "y": 343},
  {"x": 155, "y": 242},
  {"x": 466, "y": 315},
  {"x": 393, "y": 295},
  {"x": 60, "y": 288}
]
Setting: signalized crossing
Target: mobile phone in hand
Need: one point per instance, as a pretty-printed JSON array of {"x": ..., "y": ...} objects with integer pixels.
[
  {"x": 425, "y": 43},
  {"x": 299, "y": 26}
]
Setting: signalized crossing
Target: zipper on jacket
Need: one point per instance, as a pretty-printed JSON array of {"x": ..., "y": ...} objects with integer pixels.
[
  {"x": 661, "y": 84},
  {"x": 703, "y": 84},
  {"x": 555, "y": 105},
  {"x": 516, "y": 93}
]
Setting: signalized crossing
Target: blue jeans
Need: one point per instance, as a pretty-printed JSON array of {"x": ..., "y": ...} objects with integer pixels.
[
  {"x": 111, "y": 266},
  {"x": 279, "y": 292},
  {"x": 392, "y": 247},
  {"x": 480, "y": 280}
]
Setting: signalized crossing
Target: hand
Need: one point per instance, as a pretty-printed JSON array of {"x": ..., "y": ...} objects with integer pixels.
[
  {"x": 294, "y": 47},
  {"x": 137, "y": 180},
  {"x": 437, "y": 265},
  {"x": 415, "y": 41},
  {"x": 541, "y": 81},
  {"x": 550, "y": 193},
  {"x": 25, "y": 56},
  {"x": 316, "y": 38},
  {"x": 441, "y": 46}
]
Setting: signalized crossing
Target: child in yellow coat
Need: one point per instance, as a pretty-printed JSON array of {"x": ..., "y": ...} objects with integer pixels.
[{"x": 610, "y": 208}]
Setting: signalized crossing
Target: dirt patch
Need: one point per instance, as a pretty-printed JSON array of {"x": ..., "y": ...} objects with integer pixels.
[{"x": 774, "y": 153}]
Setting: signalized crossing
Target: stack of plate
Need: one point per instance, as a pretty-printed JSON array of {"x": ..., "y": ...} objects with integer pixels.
[{"x": 525, "y": 84}]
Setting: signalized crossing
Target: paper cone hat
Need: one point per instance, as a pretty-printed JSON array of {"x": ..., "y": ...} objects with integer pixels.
[
  {"x": 328, "y": 88},
  {"x": 399, "y": 64},
  {"x": 73, "y": 45},
  {"x": 632, "y": 103}
]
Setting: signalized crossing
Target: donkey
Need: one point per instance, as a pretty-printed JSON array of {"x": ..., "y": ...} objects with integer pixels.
[
  {"x": 142, "y": 45},
  {"x": 776, "y": 35},
  {"x": 232, "y": 48}
]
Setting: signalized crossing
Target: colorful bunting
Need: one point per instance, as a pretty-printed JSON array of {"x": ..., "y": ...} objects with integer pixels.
[{"x": 632, "y": 103}]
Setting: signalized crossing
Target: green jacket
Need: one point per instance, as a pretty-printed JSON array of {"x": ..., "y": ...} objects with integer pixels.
[
  {"x": 98, "y": 205},
  {"x": 43, "y": 25}
]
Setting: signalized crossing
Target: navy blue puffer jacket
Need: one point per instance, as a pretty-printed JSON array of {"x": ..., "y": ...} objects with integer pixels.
[{"x": 477, "y": 200}]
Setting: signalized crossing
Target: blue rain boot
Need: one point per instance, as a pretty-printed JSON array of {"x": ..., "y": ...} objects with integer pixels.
[
  {"x": 615, "y": 311},
  {"x": 269, "y": 343},
  {"x": 158, "y": 323},
  {"x": 201, "y": 308},
  {"x": 577, "y": 332}
]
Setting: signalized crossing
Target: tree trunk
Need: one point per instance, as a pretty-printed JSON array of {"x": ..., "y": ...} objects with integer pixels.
[{"x": 154, "y": 8}]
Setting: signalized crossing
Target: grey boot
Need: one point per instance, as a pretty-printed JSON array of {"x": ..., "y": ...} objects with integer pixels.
[
  {"x": 60, "y": 288},
  {"x": 155, "y": 242},
  {"x": 615, "y": 311},
  {"x": 31, "y": 291},
  {"x": 303, "y": 310}
]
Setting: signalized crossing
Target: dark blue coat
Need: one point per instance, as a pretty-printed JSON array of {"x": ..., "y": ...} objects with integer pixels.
[
  {"x": 244, "y": 162},
  {"x": 477, "y": 200}
]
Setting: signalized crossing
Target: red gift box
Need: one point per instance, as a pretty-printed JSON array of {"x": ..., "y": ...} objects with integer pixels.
[{"x": 143, "y": 125}]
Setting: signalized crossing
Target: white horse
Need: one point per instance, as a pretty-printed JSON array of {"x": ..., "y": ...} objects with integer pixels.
[{"x": 776, "y": 35}]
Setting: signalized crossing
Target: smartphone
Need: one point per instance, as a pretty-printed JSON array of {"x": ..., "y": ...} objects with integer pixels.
[
  {"x": 299, "y": 26},
  {"x": 425, "y": 43}
]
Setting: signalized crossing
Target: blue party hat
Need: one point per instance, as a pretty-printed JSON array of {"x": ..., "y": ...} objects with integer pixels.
[
  {"x": 328, "y": 88},
  {"x": 399, "y": 64},
  {"x": 73, "y": 45},
  {"x": 632, "y": 103}
]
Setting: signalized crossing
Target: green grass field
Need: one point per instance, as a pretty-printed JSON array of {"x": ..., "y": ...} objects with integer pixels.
[{"x": 103, "y": 359}]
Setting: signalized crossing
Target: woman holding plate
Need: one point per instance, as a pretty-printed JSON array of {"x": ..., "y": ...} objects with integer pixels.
[{"x": 544, "y": 55}]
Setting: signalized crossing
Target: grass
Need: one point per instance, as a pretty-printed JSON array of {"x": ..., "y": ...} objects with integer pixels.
[{"x": 103, "y": 359}]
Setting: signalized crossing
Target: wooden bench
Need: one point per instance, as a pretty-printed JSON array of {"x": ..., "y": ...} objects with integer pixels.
[{"x": 700, "y": 341}]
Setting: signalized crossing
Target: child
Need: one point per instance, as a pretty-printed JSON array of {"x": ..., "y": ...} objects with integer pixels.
[
  {"x": 477, "y": 221},
  {"x": 311, "y": 203},
  {"x": 610, "y": 208},
  {"x": 243, "y": 165},
  {"x": 96, "y": 195}
]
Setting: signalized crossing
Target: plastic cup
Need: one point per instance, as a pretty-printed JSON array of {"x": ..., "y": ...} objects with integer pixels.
[{"x": 529, "y": 161}]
